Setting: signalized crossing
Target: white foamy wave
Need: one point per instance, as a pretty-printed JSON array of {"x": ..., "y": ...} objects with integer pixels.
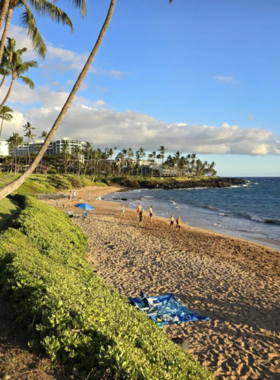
[{"x": 256, "y": 219}]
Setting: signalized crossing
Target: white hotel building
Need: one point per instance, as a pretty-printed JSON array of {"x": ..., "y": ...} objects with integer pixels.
[{"x": 55, "y": 147}]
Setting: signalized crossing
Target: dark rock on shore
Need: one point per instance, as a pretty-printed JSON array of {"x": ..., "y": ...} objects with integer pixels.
[{"x": 169, "y": 184}]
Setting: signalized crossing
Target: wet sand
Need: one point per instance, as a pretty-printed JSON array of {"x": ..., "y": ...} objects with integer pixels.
[{"x": 234, "y": 282}]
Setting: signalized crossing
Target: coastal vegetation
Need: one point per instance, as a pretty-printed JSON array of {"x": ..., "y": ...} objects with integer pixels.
[
  {"x": 70, "y": 313},
  {"x": 107, "y": 162}
]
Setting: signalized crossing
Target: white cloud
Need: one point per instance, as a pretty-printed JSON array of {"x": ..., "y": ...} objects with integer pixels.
[
  {"x": 90, "y": 121},
  {"x": 228, "y": 79}
]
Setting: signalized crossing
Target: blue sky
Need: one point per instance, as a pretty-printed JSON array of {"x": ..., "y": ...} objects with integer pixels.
[{"x": 196, "y": 76}]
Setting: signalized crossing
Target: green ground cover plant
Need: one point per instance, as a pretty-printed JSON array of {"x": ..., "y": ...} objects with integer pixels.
[
  {"x": 71, "y": 313},
  {"x": 8, "y": 209}
]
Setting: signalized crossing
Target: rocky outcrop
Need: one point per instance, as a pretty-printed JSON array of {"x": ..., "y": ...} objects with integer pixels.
[{"x": 170, "y": 184}]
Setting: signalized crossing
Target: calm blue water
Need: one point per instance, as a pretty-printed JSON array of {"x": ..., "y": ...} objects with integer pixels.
[{"x": 251, "y": 212}]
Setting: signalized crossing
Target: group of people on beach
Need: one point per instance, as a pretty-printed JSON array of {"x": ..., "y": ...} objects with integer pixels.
[{"x": 174, "y": 223}]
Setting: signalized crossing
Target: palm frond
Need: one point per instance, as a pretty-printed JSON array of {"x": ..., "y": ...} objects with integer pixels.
[
  {"x": 45, "y": 7},
  {"x": 81, "y": 4},
  {"x": 28, "y": 22},
  {"x": 4, "y": 71},
  {"x": 27, "y": 81},
  {"x": 6, "y": 113},
  {"x": 25, "y": 66}
]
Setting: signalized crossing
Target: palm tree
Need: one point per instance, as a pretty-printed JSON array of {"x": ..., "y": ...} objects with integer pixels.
[
  {"x": 8, "y": 189},
  {"x": 42, "y": 7},
  {"x": 162, "y": 151},
  {"x": 7, "y": 57},
  {"x": 14, "y": 142},
  {"x": 16, "y": 68},
  {"x": 65, "y": 152},
  {"x": 88, "y": 153},
  {"x": 28, "y": 133},
  {"x": 5, "y": 115},
  {"x": 44, "y": 134}
]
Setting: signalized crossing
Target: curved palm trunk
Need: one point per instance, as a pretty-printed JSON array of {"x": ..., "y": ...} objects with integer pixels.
[
  {"x": 7, "y": 95},
  {"x": 2, "y": 81},
  {"x": 7, "y": 25},
  {"x": 8, "y": 189}
]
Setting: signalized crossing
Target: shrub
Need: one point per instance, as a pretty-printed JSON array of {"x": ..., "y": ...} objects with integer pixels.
[
  {"x": 76, "y": 181},
  {"x": 59, "y": 182},
  {"x": 71, "y": 313}
]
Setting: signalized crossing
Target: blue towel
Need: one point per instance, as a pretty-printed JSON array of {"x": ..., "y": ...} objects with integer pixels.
[{"x": 168, "y": 309}]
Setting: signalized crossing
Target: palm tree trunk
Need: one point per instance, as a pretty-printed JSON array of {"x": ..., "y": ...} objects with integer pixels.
[
  {"x": 7, "y": 24},
  {"x": 2, "y": 81},
  {"x": 1, "y": 128},
  {"x": 7, "y": 95},
  {"x": 28, "y": 152},
  {"x": 8, "y": 189}
]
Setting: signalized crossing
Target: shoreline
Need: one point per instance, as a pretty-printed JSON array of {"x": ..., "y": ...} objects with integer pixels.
[
  {"x": 82, "y": 194},
  {"x": 235, "y": 282}
]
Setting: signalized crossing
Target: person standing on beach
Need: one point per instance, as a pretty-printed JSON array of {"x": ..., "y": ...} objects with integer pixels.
[
  {"x": 139, "y": 208},
  {"x": 89, "y": 196},
  {"x": 140, "y": 217},
  {"x": 178, "y": 223},
  {"x": 122, "y": 210},
  {"x": 151, "y": 213},
  {"x": 172, "y": 221},
  {"x": 74, "y": 194}
]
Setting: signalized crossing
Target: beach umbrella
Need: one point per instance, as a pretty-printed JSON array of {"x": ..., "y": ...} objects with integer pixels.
[{"x": 84, "y": 206}]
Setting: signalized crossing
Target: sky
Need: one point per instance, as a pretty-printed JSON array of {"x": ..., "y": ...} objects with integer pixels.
[{"x": 195, "y": 76}]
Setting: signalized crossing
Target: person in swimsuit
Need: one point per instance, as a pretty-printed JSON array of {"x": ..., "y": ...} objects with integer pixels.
[
  {"x": 139, "y": 208},
  {"x": 172, "y": 221},
  {"x": 178, "y": 223},
  {"x": 151, "y": 213}
]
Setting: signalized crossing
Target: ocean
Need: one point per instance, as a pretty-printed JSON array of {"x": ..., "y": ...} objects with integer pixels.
[{"x": 250, "y": 212}]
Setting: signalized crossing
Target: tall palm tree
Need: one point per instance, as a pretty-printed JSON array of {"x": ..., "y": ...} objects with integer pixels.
[
  {"x": 5, "y": 115},
  {"x": 7, "y": 57},
  {"x": 28, "y": 133},
  {"x": 16, "y": 68},
  {"x": 44, "y": 134},
  {"x": 8, "y": 189},
  {"x": 162, "y": 151},
  {"x": 88, "y": 153},
  {"x": 41, "y": 7},
  {"x": 14, "y": 142},
  {"x": 66, "y": 152}
]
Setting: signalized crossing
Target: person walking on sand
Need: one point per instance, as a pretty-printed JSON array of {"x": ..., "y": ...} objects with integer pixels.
[
  {"x": 140, "y": 217},
  {"x": 172, "y": 221},
  {"x": 89, "y": 196},
  {"x": 122, "y": 210},
  {"x": 139, "y": 208},
  {"x": 178, "y": 223},
  {"x": 151, "y": 213},
  {"x": 74, "y": 194}
]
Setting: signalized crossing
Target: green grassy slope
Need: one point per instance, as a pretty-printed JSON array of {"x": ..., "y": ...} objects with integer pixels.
[{"x": 8, "y": 208}]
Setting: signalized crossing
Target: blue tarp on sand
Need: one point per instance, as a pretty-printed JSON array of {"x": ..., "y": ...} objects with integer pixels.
[{"x": 166, "y": 309}]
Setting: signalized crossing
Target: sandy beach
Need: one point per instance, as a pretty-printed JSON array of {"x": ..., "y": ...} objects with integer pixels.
[{"x": 234, "y": 282}]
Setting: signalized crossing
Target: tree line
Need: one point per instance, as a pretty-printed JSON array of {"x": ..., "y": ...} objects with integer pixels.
[{"x": 110, "y": 161}]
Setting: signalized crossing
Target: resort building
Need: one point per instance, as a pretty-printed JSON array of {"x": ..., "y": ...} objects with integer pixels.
[{"x": 55, "y": 147}]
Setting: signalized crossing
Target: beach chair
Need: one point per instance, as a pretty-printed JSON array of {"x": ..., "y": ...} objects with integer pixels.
[
  {"x": 150, "y": 305},
  {"x": 71, "y": 215}
]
